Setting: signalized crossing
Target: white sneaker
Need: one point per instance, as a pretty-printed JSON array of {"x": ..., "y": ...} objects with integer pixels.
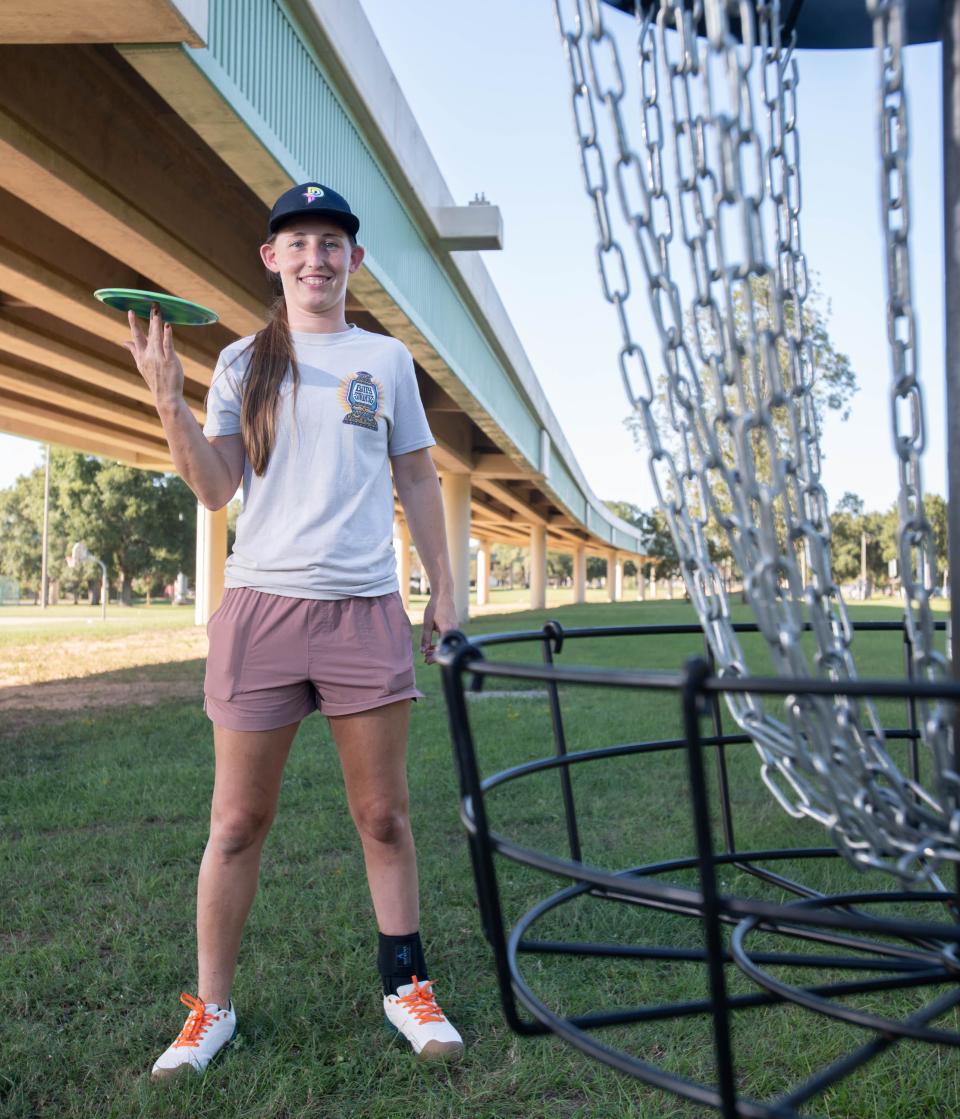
[
  {"x": 413, "y": 1011},
  {"x": 206, "y": 1031}
]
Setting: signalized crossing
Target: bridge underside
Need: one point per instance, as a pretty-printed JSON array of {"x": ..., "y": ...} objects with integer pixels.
[
  {"x": 125, "y": 194},
  {"x": 127, "y": 160}
]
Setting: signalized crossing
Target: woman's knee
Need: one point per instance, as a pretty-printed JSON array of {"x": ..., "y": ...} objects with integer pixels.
[
  {"x": 234, "y": 832},
  {"x": 384, "y": 821}
]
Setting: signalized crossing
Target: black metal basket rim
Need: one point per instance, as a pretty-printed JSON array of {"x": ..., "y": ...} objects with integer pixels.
[
  {"x": 919, "y": 969},
  {"x": 661, "y": 630},
  {"x": 852, "y": 1015},
  {"x": 909, "y": 958},
  {"x": 629, "y": 749},
  {"x": 468, "y": 659},
  {"x": 573, "y": 1031},
  {"x": 640, "y": 887}
]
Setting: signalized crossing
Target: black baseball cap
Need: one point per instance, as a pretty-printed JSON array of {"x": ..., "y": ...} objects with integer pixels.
[{"x": 313, "y": 200}]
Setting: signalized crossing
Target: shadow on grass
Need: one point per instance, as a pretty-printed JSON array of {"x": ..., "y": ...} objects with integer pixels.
[{"x": 24, "y": 705}]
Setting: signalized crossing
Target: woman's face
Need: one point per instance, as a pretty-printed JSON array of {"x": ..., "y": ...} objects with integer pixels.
[{"x": 313, "y": 258}]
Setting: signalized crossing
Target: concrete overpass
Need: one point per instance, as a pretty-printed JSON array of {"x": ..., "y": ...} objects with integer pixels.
[{"x": 141, "y": 145}]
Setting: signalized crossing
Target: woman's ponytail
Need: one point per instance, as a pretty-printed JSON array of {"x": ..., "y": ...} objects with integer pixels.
[{"x": 271, "y": 354}]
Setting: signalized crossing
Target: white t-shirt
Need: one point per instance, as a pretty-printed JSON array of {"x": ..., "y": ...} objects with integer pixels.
[{"x": 319, "y": 522}]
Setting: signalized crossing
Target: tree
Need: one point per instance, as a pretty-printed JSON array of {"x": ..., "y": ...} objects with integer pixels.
[
  {"x": 655, "y": 537},
  {"x": 141, "y": 524},
  {"x": 559, "y": 567},
  {"x": 832, "y": 390},
  {"x": 507, "y": 563},
  {"x": 849, "y": 523},
  {"x": 937, "y": 512}
]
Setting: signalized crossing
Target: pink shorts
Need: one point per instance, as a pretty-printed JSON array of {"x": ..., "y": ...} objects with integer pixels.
[{"x": 273, "y": 660}]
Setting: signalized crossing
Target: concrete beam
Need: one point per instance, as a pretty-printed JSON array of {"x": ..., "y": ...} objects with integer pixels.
[
  {"x": 433, "y": 398},
  {"x": 178, "y": 80},
  {"x": 190, "y": 231},
  {"x": 475, "y": 226},
  {"x": 64, "y": 296},
  {"x": 502, "y": 467},
  {"x": 32, "y": 169},
  {"x": 74, "y": 441},
  {"x": 71, "y": 361},
  {"x": 447, "y": 460},
  {"x": 96, "y": 21},
  {"x": 65, "y": 396},
  {"x": 505, "y": 497},
  {"x": 454, "y": 432},
  {"x": 60, "y": 425}
]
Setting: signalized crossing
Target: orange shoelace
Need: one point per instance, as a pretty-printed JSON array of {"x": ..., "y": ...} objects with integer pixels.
[
  {"x": 421, "y": 1002},
  {"x": 196, "y": 1025}
]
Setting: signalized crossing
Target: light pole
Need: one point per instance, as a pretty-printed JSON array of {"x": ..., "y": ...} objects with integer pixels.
[
  {"x": 46, "y": 527},
  {"x": 863, "y": 566}
]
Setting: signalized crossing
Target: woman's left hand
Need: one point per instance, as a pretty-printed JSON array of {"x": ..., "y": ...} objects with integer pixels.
[{"x": 438, "y": 617}]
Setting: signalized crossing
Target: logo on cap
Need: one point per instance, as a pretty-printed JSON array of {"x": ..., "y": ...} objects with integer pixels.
[{"x": 312, "y": 193}]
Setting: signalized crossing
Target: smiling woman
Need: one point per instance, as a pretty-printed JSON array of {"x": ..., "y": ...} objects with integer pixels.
[
  {"x": 309, "y": 254},
  {"x": 320, "y": 420}
]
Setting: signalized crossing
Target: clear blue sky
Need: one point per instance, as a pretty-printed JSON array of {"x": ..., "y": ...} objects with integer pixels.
[{"x": 489, "y": 88}]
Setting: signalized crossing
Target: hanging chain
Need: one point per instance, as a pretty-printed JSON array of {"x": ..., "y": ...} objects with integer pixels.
[
  {"x": 737, "y": 375},
  {"x": 917, "y": 554}
]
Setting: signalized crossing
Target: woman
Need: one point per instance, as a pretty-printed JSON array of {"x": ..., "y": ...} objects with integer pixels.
[{"x": 313, "y": 416}]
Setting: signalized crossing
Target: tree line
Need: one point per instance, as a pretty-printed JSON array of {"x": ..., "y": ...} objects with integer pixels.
[
  {"x": 141, "y": 524},
  {"x": 856, "y": 535}
]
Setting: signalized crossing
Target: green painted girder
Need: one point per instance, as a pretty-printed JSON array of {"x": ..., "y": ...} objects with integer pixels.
[{"x": 265, "y": 67}]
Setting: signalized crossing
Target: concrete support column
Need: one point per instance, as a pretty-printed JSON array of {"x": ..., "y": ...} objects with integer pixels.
[
  {"x": 653, "y": 580},
  {"x": 456, "y": 513},
  {"x": 483, "y": 573},
  {"x": 641, "y": 585},
  {"x": 614, "y": 576},
  {"x": 538, "y": 567},
  {"x": 211, "y": 558},
  {"x": 401, "y": 542},
  {"x": 580, "y": 574}
]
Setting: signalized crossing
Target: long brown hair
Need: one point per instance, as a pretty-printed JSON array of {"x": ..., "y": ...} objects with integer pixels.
[{"x": 271, "y": 354}]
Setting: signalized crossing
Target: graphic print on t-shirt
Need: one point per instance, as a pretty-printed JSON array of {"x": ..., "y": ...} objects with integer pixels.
[{"x": 362, "y": 398}]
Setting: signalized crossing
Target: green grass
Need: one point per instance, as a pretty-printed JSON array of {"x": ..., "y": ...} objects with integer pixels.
[
  {"x": 103, "y": 823},
  {"x": 22, "y": 625}
]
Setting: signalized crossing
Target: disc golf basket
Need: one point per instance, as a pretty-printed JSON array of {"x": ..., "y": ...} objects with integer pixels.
[{"x": 691, "y": 160}]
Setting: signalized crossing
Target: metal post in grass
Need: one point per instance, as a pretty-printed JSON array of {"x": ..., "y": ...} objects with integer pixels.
[
  {"x": 79, "y": 553},
  {"x": 46, "y": 527}
]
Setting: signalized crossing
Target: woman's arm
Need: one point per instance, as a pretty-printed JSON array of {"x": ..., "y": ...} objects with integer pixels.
[
  {"x": 212, "y": 468},
  {"x": 419, "y": 491}
]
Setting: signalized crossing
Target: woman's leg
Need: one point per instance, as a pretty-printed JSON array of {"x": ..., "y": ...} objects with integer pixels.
[
  {"x": 373, "y": 751},
  {"x": 249, "y": 770}
]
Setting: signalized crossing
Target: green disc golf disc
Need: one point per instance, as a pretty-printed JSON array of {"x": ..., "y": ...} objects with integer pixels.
[{"x": 173, "y": 309}]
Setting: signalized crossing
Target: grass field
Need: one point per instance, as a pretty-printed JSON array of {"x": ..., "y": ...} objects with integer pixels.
[{"x": 103, "y": 823}]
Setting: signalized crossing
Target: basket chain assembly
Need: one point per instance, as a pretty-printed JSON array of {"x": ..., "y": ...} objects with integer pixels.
[{"x": 738, "y": 376}]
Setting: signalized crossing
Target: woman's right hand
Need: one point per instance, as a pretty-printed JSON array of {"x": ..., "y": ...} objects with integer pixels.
[{"x": 157, "y": 359}]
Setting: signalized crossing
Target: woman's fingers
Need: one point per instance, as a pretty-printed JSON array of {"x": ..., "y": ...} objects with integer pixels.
[
  {"x": 155, "y": 355},
  {"x": 138, "y": 340},
  {"x": 155, "y": 331}
]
